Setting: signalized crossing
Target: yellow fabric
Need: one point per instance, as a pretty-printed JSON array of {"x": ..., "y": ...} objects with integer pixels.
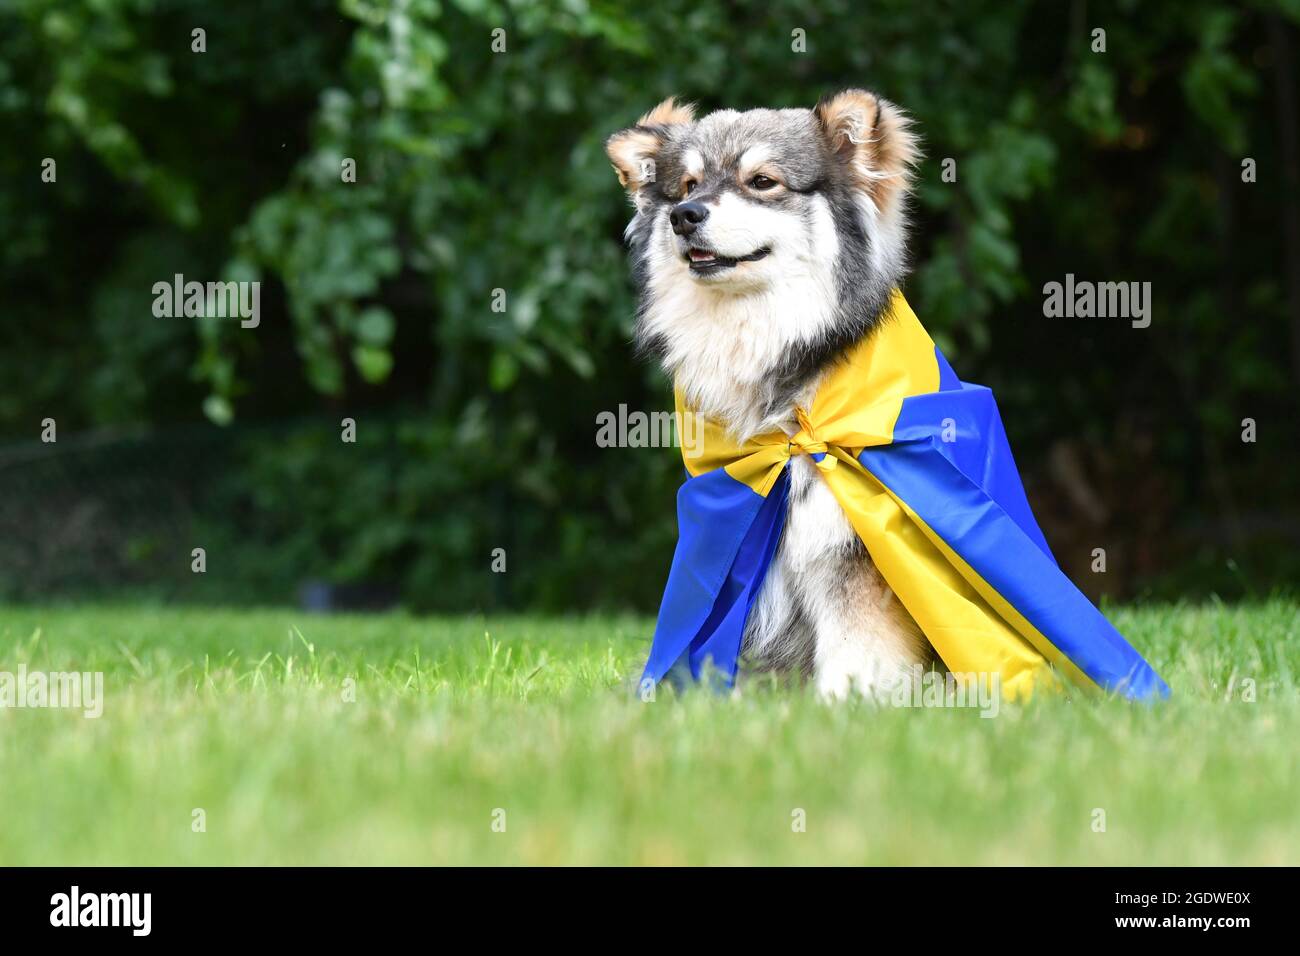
[{"x": 857, "y": 406}]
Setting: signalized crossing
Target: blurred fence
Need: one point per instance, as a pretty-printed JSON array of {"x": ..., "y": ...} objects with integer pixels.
[
  {"x": 291, "y": 512},
  {"x": 96, "y": 513}
]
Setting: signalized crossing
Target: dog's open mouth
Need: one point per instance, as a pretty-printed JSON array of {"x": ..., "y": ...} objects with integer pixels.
[{"x": 707, "y": 262}]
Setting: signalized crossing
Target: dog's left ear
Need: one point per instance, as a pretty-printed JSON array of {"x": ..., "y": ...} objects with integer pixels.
[
  {"x": 633, "y": 151},
  {"x": 874, "y": 139}
]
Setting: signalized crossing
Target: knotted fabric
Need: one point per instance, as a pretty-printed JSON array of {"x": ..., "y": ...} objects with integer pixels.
[{"x": 920, "y": 464}]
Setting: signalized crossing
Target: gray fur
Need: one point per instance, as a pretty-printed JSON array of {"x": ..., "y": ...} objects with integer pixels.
[{"x": 811, "y": 168}]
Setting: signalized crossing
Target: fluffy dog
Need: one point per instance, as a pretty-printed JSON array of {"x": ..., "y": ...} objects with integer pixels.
[{"x": 765, "y": 243}]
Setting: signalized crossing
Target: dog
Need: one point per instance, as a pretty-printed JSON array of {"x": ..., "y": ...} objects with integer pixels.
[{"x": 764, "y": 244}]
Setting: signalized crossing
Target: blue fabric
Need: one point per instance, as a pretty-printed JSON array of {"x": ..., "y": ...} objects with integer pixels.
[
  {"x": 969, "y": 493},
  {"x": 979, "y": 448},
  {"x": 727, "y": 534}
]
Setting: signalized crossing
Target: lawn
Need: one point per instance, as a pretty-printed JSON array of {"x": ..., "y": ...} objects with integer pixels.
[{"x": 396, "y": 739}]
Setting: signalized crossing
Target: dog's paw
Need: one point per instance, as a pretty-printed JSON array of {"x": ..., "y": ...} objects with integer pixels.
[
  {"x": 833, "y": 684},
  {"x": 846, "y": 674}
]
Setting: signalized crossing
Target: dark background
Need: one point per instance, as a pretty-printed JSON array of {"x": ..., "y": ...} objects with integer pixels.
[{"x": 479, "y": 171}]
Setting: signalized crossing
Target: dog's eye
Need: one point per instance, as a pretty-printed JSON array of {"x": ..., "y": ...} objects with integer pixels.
[
  {"x": 690, "y": 186},
  {"x": 762, "y": 183}
]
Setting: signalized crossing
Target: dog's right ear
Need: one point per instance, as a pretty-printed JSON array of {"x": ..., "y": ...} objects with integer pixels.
[{"x": 633, "y": 151}]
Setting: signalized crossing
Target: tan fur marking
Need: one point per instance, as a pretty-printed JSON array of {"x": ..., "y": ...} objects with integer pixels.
[
  {"x": 877, "y": 611},
  {"x": 628, "y": 149},
  {"x": 669, "y": 113},
  {"x": 875, "y": 138}
]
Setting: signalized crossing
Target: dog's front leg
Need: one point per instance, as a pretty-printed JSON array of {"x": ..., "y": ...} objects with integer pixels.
[{"x": 864, "y": 639}]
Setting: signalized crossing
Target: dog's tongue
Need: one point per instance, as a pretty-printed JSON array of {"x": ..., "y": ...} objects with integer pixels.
[{"x": 699, "y": 255}]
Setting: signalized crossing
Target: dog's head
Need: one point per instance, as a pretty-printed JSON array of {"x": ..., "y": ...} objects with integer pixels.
[{"x": 785, "y": 226}]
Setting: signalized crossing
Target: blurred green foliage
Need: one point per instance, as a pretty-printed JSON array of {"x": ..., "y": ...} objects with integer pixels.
[{"x": 479, "y": 170}]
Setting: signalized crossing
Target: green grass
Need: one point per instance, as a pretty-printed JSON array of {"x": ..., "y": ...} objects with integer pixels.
[{"x": 243, "y": 714}]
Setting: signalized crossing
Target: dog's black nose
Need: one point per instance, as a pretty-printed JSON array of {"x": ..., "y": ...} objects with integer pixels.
[{"x": 686, "y": 216}]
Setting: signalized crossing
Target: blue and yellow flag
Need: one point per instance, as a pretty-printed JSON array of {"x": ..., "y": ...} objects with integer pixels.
[{"x": 920, "y": 464}]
